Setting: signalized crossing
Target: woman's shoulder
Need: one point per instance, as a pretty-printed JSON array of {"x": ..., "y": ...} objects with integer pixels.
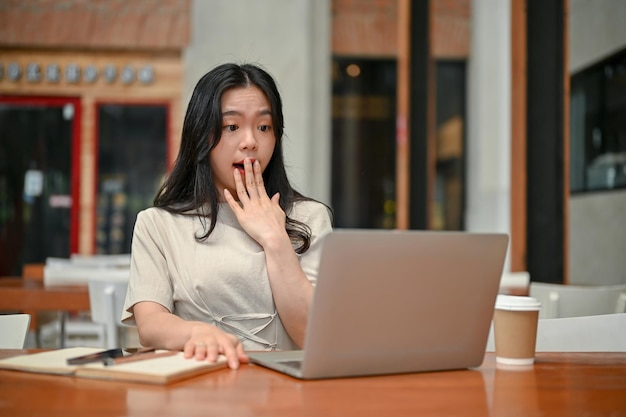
[
  {"x": 160, "y": 215},
  {"x": 153, "y": 213},
  {"x": 304, "y": 210}
]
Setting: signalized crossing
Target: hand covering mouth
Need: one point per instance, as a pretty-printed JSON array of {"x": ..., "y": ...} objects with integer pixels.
[{"x": 239, "y": 165}]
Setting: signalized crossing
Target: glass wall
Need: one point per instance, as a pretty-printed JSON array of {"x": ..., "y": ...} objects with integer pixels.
[
  {"x": 449, "y": 210},
  {"x": 364, "y": 142},
  {"x": 598, "y": 126},
  {"x": 132, "y": 155},
  {"x": 35, "y": 180}
]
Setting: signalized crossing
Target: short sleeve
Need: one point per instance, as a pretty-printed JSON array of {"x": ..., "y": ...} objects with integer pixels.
[
  {"x": 317, "y": 217},
  {"x": 149, "y": 278}
]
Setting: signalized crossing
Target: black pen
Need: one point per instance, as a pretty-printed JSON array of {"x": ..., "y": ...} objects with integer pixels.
[
  {"x": 101, "y": 356},
  {"x": 138, "y": 357}
]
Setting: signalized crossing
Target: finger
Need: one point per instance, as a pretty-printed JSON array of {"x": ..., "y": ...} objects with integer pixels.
[
  {"x": 231, "y": 201},
  {"x": 231, "y": 354},
  {"x": 243, "y": 358},
  {"x": 201, "y": 350},
  {"x": 276, "y": 199},
  {"x": 239, "y": 351},
  {"x": 189, "y": 350},
  {"x": 258, "y": 179},
  {"x": 242, "y": 194},
  {"x": 213, "y": 352},
  {"x": 250, "y": 180}
]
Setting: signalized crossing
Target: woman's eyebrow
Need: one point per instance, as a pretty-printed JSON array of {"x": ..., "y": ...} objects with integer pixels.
[{"x": 263, "y": 112}]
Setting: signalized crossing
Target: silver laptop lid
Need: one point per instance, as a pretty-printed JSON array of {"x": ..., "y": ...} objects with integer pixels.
[{"x": 402, "y": 301}]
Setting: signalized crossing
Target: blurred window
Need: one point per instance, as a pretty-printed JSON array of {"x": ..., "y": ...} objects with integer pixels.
[
  {"x": 364, "y": 142},
  {"x": 132, "y": 162},
  {"x": 449, "y": 207},
  {"x": 598, "y": 126},
  {"x": 37, "y": 186}
]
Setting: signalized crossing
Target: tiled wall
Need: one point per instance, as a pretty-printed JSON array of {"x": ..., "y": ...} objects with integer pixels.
[
  {"x": 161, "y": 24},
  {"x": 370, "y": 28}
]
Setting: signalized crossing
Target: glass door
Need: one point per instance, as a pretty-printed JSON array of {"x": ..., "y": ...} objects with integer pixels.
[
  {"x": 38, "y": 138},
  {"x": 450, "y": 184},
  {"x": 132, "y": 163},
  {"x": 364, "y": 142}
]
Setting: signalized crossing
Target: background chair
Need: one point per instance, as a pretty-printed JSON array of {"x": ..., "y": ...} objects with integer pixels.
[
  {"x": 598, "y": 333},
  {"x": 512, "y": 282},
  {"x": 106, "y": 297},
  {"x": 102, "y": 261},
  {"x": 59, "y": 272},
  {"x": 573, "y": 301},
  {"x": 13, "y": 330},
  {"x": 102, "y": 327},
  {"x": 107, "y": 277}
]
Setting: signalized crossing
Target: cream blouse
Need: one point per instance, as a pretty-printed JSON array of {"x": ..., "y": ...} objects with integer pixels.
[{"x": 223, "y": 280}]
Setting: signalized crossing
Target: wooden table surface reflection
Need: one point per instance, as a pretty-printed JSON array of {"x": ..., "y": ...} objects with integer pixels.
[{"x": 559, "y": 384}]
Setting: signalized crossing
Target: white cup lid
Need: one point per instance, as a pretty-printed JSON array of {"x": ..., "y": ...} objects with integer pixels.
[{"x": 517, "y": 303}]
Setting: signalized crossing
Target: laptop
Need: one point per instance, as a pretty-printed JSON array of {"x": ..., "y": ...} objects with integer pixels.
[{"x": 390, "y": 301}]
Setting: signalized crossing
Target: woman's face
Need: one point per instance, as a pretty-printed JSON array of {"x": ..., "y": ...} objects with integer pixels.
[{"x": 247, "y": 132}]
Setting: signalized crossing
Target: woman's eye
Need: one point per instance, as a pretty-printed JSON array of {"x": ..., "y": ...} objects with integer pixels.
[
  {"x": 230, "y": 128},
  {"x": 264, "y": 128}
]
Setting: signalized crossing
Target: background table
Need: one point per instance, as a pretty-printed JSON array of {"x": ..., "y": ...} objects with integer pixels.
[
  {"x": 31, "y": 297},
  {"x": 559, "y": 384},
  {"x": 20, "y": 294}
]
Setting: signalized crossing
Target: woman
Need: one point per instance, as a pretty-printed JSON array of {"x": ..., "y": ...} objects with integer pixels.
[{"x": 226, "y": 260}]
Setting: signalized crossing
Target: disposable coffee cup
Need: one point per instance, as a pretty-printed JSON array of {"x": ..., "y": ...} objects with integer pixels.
[{"x": 515, "y": 329}]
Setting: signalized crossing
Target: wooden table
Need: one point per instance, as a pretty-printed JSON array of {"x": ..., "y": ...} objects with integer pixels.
[
  {"x": 20, "y": 294},
  {"x": 31, "y": 296},
  {"x": 559, "y": 384}
]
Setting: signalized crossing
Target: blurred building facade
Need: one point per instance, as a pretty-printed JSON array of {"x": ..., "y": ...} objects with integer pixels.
[{"x": 108, "y": 83}]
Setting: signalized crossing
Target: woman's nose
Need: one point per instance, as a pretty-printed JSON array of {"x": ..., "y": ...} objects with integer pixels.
[{"x": 248, "y": 140}]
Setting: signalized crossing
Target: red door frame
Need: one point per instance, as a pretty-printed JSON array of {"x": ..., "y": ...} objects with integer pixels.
[{"x": 75, "y": 157}]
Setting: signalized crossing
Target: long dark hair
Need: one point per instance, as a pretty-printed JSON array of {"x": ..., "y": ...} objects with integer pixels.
[{"x": 191, "y": 183}]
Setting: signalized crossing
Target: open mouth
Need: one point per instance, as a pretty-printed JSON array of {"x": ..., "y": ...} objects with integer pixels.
[{"x": 240, "y": 167}]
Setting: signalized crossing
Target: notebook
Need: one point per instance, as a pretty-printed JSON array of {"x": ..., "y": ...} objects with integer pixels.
[
  {"x": 162, "y": 368},
  {"x": 390, "y": 302}
]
